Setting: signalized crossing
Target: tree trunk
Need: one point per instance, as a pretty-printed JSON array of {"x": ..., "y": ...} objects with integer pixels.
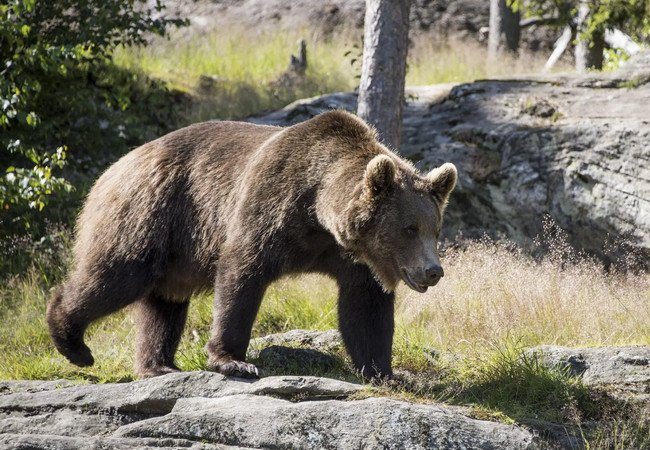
[
  {"x": 385, "y": 45},
  {"x": 559, "y": 47},
  {"x": 504, "y": 29},
  {"x": 588, "y": 53}
]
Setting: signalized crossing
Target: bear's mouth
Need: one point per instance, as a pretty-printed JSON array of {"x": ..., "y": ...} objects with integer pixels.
[{"x": 412, "y": 284}]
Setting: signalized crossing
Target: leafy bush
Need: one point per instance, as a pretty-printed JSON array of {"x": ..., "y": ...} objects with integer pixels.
[{"x": 60, "y": 97}]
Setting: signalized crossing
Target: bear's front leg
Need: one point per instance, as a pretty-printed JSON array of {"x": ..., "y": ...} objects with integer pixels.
[
  {"x": 237, "y": 300},
  {"x": 366, "y": 321}
]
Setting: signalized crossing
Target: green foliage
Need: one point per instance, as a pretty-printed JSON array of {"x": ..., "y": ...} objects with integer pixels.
[
  {"x": 630, "y": 16},
  {"x": 614, "y": 57},
  {"x": 58, "y": 93}
]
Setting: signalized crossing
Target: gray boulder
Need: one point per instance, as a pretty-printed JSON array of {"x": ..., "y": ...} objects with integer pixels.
[
  {"x": 624, "y": 371},
  {"x": 297, "y": 351},
  {"x": 323, "y": 341},
  {"x": 55, "y": 442}
]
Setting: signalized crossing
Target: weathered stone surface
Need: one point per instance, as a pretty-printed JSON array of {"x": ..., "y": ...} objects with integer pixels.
[
  {"x": 9, "y": 387},
  {"x": 373, "y": 423},
  {"x": 158, "y": 395},
  {"x": 439, "y": 20},
  {"x": 576, "y": 148},
  {"x": 201, "y": 410},
  {"x": 54, "y": 442},
  {"x": 626, "y": 370}
]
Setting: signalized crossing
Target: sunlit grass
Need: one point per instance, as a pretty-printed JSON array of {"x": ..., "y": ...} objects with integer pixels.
[
  {"x": 244, "y": 69},
  {"x": 234, "y": 73},
  {"x": 491, "y": 295},
  {"x": 464, "y": 61}
]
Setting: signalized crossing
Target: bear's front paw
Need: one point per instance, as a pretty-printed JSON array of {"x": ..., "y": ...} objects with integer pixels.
[{"x": 233, "y": 368}]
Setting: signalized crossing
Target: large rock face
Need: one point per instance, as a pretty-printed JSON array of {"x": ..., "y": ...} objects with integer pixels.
[
  {"x": 201, "y": 410},
  {"x": 459, "y": 18},
  {"x": 436, "y": 20},
  {"x": 576, "y": 148}
]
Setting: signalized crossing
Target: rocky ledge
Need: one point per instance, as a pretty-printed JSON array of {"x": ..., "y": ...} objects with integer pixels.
[
  {"x": 574, "y": 147},
  {"x": 203, "y": 410}
]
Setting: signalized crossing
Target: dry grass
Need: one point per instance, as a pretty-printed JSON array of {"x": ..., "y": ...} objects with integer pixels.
[
  {"x": 433, "y": 62},
  {"x": 492, "y": 293}
]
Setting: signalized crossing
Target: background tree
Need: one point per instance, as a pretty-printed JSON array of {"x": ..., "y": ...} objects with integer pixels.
[
  {"x": 589, "y": 49},
  {"x": 504, "y": 30},
  {"x": 591, "y": 21},
  {"x": 385, "y": 45}
]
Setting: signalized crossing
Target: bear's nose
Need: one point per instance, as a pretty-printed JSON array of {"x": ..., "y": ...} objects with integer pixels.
[{"x": 434, "y": 272}]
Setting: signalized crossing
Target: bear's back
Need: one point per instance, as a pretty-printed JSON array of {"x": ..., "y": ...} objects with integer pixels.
[{"x": 132, "y": 205}]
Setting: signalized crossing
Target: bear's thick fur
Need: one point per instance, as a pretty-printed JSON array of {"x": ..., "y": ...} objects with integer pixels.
[{"x": 235, "y": 206}]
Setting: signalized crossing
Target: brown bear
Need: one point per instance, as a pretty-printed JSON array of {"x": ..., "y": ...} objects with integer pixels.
[{"x": 234, "y": 206}]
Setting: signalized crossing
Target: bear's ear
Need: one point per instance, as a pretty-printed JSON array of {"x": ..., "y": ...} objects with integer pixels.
[
  {"x": 380, "y": 174},
  {"x": 442, "y": 181}
]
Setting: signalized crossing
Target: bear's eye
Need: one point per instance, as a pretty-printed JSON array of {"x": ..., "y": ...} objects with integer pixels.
[{"x": 411, "y": 230}]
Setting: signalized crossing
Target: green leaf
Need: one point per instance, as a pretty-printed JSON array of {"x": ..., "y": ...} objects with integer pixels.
[
  {"x": 29, "y": 5},
  {"x": 32, "y": 119}
]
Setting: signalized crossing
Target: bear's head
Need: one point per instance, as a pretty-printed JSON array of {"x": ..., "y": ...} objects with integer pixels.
[{"x": 397, "y": 219}]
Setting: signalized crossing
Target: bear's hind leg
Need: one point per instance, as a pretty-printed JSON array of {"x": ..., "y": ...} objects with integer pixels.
[
  {"x": 160, "y": 323},
  {"x": 71, "y": 310},
  {"x": 89, "y": 295}
]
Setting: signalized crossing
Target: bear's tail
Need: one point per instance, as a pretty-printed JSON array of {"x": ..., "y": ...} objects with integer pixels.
[{"x": 66, "y": 333}]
